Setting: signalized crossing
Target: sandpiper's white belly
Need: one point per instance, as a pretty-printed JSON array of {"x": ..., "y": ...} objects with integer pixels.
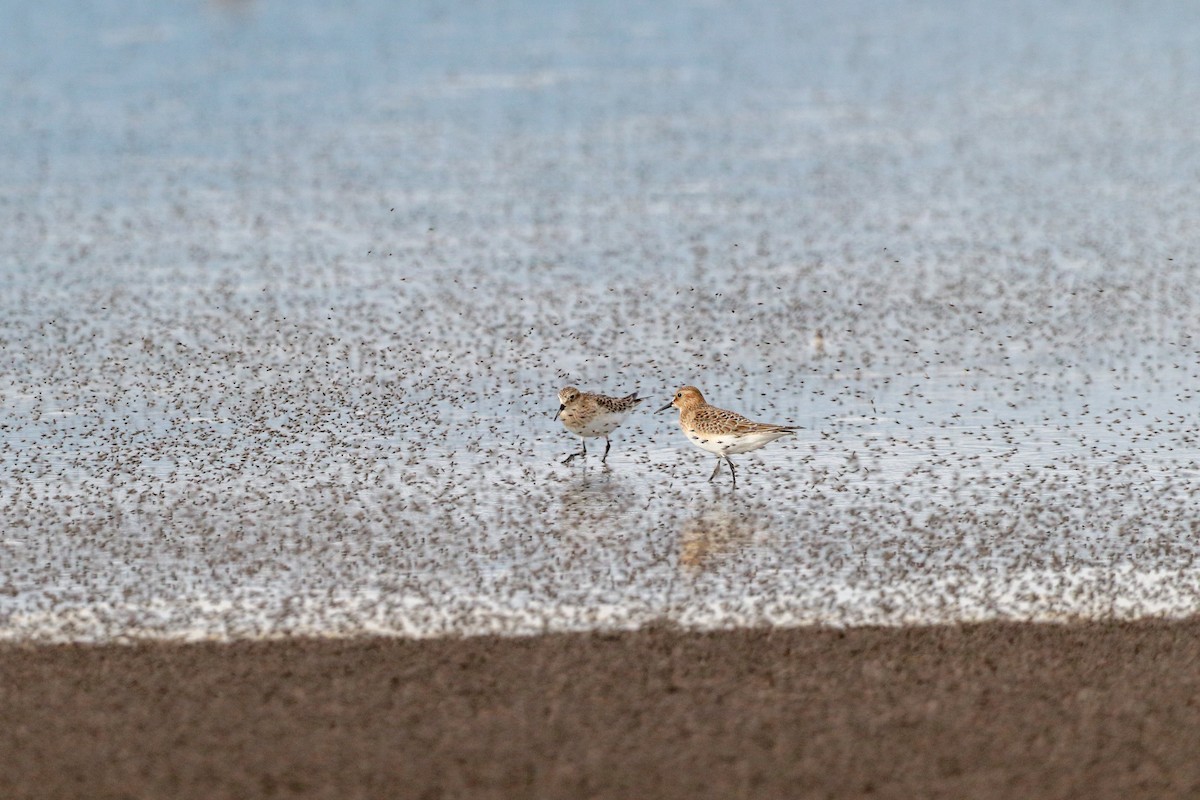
[
  {"x": 599, "y": 425},
  {"x": 730, "y": 444}
]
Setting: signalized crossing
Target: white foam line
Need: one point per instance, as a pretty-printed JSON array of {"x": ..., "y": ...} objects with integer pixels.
[{"x": 1031, "y": 596}]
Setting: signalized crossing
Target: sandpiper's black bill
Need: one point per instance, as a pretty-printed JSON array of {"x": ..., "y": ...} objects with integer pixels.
[
  {"x": 561, "y": 406},
  {"x": 664, "y": 408}
]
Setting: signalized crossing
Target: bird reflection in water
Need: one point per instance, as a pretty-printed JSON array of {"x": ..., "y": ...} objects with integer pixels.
[
  {"x": 716, "y": 533},
  {"x": 599, "y": 493}
]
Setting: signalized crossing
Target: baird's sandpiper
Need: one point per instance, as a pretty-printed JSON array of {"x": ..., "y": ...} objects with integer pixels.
[
  {"x": 719, "y": 431},
  {"x": 585, "y": 414}
]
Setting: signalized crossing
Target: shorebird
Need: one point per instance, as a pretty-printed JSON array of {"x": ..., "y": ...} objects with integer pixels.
[
  {"x": 585, "y": 414},
  {"x": 722, "y": 432}
]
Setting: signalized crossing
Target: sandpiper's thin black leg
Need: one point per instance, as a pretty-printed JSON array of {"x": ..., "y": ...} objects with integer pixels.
[
  {"x": 607, "y": 445},
  {"x": 583, "y": 452},
  {"x": 732, "y": 472},
  {"x": 715, "y": 470}
]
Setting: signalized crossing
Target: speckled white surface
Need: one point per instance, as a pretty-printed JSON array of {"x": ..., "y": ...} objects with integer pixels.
[{"x": 286, "y": 293}]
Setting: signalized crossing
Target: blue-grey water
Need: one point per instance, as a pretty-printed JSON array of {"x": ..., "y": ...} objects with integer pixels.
[{"x": 287, "y": 290}]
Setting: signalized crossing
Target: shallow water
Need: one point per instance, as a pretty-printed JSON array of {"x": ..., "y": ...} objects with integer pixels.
[{"x": 288, "y": 291}]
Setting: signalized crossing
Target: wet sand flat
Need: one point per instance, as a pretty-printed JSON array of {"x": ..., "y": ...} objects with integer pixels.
[
  {"x": 287, "y": 291},
  {"x": 991, "y": 710}
]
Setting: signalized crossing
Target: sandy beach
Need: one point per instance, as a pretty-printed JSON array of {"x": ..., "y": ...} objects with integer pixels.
[{"x": 995, "y": 710}]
